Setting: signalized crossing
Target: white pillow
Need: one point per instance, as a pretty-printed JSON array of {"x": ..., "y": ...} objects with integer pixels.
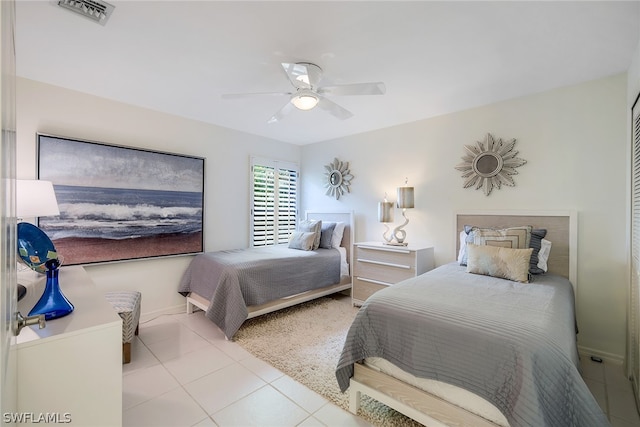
[
  {"x": 336, "y": 239},
  {"x": 463, "y": 248},
  {"x": 543, "y": 254}
]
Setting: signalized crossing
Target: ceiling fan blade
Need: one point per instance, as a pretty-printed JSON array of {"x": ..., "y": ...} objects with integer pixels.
[
  {"x": 302, "y": 74},
  {"x": 281, "y": 113},
  {"x": 375, "y": 88},
  {"x": 334, "y": 109},
  {"x": 248, "y": 95}
]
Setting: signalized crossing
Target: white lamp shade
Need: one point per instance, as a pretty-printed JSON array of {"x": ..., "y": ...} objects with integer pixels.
[
  {"x": 35, "y": 198},
  {"x": 384, "y": 211},
  {"x": 405, "y": 197}
]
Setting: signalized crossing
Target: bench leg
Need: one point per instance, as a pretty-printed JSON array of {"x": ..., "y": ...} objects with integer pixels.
[{"x": 126, "y": 352}]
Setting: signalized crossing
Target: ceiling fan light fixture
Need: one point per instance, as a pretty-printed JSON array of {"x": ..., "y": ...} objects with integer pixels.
[{"x": 305, "y": 101}]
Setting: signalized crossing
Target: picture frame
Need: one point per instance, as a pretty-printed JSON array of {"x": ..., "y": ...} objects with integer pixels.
[{"x": 121, "y": 203}]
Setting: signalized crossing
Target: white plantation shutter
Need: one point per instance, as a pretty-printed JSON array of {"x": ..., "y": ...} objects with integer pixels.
[
  {"x": 287, "y": 202},
  {"x": 263, "y": 208},
  {"x": 274, "y": 201},
  {"x": 633, "y": 349}
]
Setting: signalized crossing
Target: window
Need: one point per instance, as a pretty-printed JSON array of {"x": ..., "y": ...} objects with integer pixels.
[{"x": 274, "y": 201}]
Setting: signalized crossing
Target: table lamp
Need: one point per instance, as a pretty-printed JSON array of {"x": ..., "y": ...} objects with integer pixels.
[
  {"x": 385, "y": 215},
  {"x": 404, "y": 201},
  {"x": 35, "y": 198}
]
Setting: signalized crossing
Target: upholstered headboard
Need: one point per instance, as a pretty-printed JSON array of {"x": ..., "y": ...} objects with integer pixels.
[{"x": 561, "y": 226}]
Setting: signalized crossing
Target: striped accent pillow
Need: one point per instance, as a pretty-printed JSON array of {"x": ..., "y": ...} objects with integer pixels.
[
  {"x": 537, "y": 235},
  {"x": 513, "y": 237}
]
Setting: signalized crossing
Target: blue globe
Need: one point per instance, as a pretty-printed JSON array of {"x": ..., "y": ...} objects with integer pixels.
[{"x": 34, "y": 247}]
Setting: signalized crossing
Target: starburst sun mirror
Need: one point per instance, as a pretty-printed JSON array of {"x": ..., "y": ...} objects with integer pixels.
[
  {"x": 337, "y": 178},
  {"x": 490, "y": 164}
]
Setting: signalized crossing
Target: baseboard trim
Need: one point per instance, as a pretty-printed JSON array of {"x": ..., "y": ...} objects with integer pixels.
[
  {"x": 606, "y": 357},
  {"x": 176, "y": 309}
]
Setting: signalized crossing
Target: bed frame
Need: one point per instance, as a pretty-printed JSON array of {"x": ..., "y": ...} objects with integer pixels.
[
  {"x": 424, "y": 407},
  {"x": 195, "y": 300}
]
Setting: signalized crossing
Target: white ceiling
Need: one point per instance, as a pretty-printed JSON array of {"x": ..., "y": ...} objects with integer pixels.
[{"x": 179, "y": 57}]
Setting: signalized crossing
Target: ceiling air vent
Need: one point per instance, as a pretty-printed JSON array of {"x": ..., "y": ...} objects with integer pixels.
[{"x": 97, "y": 11}]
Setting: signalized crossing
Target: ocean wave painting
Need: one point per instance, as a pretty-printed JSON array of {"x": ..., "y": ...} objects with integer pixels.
[{"x": 119, "y": 203}]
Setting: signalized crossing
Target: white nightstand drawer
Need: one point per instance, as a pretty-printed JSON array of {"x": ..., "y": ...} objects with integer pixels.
[
  {"x": 396, "y": 257},
  {"x": 364, "y": 288},
  {"x": 384, "y": 272}
]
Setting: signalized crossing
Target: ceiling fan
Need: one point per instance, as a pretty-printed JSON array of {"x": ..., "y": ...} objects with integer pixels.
[{"x": 307, "y": 94}]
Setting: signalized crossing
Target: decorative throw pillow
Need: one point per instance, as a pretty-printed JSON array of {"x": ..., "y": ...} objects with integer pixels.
[
  {"x": 536, "y": 242},
  {"x": 543, "y": 255},
  {"x": 302, "y": 240},
  {"x": 336, "y": 239},
  {"x": 512, "y": 237},
  {"x": 466, "y": 237},
  {"x": 311, "y": 226},
  {"x": 462, "y": 253},
  {"x": 326, "y": 234},
  {"x": 497, "y": 261}
]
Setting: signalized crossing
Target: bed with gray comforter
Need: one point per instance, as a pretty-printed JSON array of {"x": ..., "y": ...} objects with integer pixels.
[
  {"x": 232, "y": 280},
  {"x": 513, "y": 344}
]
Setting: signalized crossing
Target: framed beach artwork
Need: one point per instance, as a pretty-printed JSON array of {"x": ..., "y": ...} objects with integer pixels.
[{"x": 120, "y": 203}]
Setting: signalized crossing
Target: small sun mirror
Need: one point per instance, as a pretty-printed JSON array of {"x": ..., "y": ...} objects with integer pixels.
[{"x": 338, "y": 178}]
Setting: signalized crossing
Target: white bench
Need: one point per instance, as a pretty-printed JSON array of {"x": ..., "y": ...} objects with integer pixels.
[{"x": 127, "y": 305}]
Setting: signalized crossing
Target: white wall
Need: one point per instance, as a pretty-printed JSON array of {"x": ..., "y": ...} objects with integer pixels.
[
  {"x": 57, "y": 111},
  {"x": 633, "y": 77},
  {"x": 575, "y": 142}
]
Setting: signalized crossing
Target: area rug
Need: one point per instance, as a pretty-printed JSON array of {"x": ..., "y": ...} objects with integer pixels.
[{"x": 305, "y": 342}]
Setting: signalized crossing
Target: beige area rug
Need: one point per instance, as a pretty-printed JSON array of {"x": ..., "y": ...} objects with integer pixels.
[{"x": 305, "y": 343}]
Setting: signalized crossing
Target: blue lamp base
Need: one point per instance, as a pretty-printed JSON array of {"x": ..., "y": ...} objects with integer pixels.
[{"x": 52, "y": 303}]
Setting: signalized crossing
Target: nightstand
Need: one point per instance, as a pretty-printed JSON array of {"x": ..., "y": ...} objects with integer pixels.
[{"x": 378, "y": 265}]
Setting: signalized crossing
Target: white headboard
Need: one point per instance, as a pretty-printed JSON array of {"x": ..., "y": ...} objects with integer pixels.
[
  {"x": 561, "y": 226},
  {"x": 340, "y": 216}
]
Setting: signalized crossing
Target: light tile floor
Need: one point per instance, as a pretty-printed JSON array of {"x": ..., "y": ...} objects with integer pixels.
[
  {"x": 613, "y": 392},
  {"x": 183, "y": 372}
]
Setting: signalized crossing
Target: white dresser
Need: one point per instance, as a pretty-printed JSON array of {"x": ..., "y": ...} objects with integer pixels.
[
  {"x": 73, "y": 367},
  {"x": 378, "y": 265}
]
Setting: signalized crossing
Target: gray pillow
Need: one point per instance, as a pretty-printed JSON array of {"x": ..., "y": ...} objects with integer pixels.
[
  {"x": 536, "y": 238},
  {"x": 302, "y": 240},
  {"x": 326, "y": 234},
  {"x": 311, "y": 226}
]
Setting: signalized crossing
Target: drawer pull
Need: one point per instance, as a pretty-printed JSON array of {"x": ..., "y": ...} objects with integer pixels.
[
  {"x": 388, "y": 264},
  {"x": 385, "y": 249},
  {"x": 377, "y": 282}
]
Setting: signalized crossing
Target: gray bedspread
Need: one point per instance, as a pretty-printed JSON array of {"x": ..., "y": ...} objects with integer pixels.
[
  {"x": 512, "y": 343},
  {"x": 234, "y": 279}
]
